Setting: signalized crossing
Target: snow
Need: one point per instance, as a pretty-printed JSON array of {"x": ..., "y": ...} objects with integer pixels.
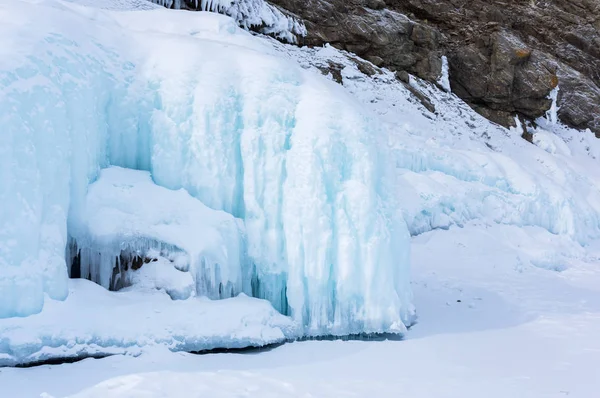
[
  {"x": 137, "y": 320},
  {"x": 204, "y": 106},
  {"x": 123, "y": 5}
]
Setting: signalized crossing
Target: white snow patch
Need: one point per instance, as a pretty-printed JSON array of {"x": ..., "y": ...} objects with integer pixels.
[{"x": 161, "y": 274}]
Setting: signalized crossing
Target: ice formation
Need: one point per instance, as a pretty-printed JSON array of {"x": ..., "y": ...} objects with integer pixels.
[
  {"x": 456, "y": 168},
  {"x": 329, "y": 181},
  {"x": 552, "y": 114},
  {"x": 203, "y": 106},
  {"x": 248, "y": 14},
  {"x": 444, "y": 80}
]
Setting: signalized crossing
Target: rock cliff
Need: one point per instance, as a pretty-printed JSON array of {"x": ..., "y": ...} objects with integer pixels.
[{"x": 505, "y": 56}]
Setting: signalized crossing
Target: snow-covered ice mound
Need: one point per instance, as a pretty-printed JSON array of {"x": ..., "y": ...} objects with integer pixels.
[{"x": 95, "y": 322}]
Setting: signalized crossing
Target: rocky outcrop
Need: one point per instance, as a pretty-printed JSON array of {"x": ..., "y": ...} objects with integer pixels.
[
  {"x": 505, "y": 56},
  {"x": 373, "y": 31}
]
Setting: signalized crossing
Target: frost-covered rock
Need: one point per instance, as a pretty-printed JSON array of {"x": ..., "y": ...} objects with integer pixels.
[{"x": 499, "y": 64}]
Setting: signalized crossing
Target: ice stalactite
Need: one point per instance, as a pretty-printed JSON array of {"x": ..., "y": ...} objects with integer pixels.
[
  {"x": 249, "y": 14},
  {"x": 444, "y": 80},
  {"x": 552, "y": 114}
]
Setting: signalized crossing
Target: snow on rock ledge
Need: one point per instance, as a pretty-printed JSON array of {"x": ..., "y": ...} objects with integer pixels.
[{"x": 96, "y": 322}]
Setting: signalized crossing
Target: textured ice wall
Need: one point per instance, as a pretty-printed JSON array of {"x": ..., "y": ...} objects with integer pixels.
[
  {"x": 203, "y": 106},
  {"x": 56, "y": 96},
  {"x": 297, "y": 159}
]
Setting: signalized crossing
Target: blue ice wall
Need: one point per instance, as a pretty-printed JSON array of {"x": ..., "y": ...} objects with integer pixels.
[{"x": 206, "y": 107}]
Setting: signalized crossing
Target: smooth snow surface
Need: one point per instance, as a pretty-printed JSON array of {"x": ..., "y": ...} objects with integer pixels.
[
  {"x": 96, "y": 322},
  {"x": 207, "y": 107}
]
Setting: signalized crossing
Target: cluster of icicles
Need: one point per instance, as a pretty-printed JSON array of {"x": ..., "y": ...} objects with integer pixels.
[
  {"x": 248, "y": 14},
  {"x": 202, "y": 5}
]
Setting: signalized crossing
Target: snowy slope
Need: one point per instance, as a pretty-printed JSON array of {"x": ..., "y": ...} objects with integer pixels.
[
  {"x": 454, "y": 166},
  {"x": 123, "y": 5}
]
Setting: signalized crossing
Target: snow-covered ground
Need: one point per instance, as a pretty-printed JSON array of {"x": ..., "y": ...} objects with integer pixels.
[
  {"x": 94, "y": 322},
  {"x": 518, "y": 331},
  {"x": 504, "y": 248}
]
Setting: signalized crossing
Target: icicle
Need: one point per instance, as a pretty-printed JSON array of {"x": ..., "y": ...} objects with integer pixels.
[
  {"x": 444, "y": 80},
  {"x": 249, "y": 13},
  {"x": 552, "y": 114}
]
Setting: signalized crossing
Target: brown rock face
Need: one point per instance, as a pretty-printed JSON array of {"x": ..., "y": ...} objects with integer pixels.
[
  {"x": 505, "y": 56},
  {"x": 372, "y": 30}
]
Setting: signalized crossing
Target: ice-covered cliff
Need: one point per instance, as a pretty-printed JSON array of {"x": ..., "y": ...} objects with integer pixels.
[
  {"x": 241, "y": 166},
  {"x": 206, "y": 107}
]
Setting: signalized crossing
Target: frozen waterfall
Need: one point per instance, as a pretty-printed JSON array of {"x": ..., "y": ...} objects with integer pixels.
[{"x": 214, "y": 113}]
